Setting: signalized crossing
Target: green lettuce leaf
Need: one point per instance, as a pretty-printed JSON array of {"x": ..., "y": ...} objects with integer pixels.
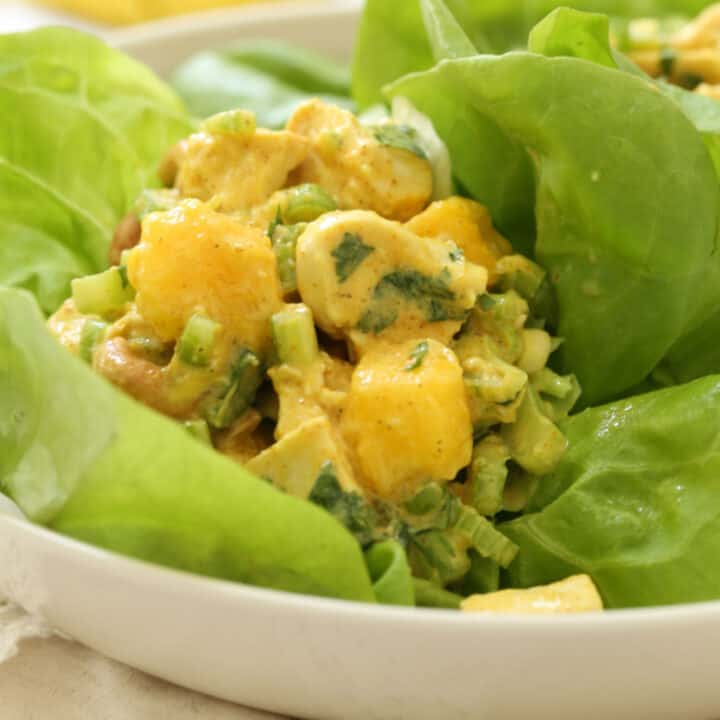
[
  {"x": 505, "y": 24},
  {"x": 390, "y": 573},
  {"x": 404, "y": 36},
  {"x": 622, "y": 175},
  {"x": 82, "y": 130},
  {"x": 570, "y": 33},
  {"x": 393, "y": 40},
  {"x": 93, "y": 464},
  {"x": 634, "y": 502},
  {"x": 270, "y": 78}
]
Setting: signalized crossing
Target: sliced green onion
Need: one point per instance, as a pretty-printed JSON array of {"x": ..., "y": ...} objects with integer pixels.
[
  {"x": 307, "y": 202},
  {"x": 294, "y": 335},
  {"x": 284, "y": 242},
  {"x": 197, "y": 340},
  {"x": 232, "y": 122},
  {"x": 233, "y": 397},
  {"x": 102, "y": 294},
  {"x": 93, "y": 331},
  {"x": 199, "y": 430}
]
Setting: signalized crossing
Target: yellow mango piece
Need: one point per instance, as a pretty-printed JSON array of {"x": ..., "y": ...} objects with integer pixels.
[
  {"x": 192, "y": 259},
  {"x": 236, "y": 171},
  {"x": 467, "y": 224},
  {"x": 358, "y": 171},
  {"x": 573, "y": 594},
  {"x": 406, "y": 419}
]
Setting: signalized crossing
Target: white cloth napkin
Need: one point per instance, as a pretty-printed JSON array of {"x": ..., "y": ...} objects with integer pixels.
[{"x": 46, "y": 677}]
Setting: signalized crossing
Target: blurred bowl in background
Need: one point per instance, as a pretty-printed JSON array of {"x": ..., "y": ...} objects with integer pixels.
[
  {"x": 136, "y": 11},
  {"x": 326, "y": 26}
]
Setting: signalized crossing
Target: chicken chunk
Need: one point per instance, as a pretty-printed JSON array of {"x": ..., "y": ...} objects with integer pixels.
[
  {"x": 193, "y": 259},
  {"x": 347, "y": 159},
  {"x": 238, "y": 171},
  {"x": 407, "y": 420},
  {"x": 367, "y": 278},
  {"x": 467, "y": 224}
]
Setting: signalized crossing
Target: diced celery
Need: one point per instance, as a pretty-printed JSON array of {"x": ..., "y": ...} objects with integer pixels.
[
  {"x": 93, "y": 331},
  {"x": 232, "y": 122},
  {"x": 519, "y": 274},
  {"x": 491, "y": 379},
  {"x": 102, "y": 294},
  {"x": 487, "y": 475},
  {"x": 438, "y": 555},
  {"x": 558, "y": 392},
  {"x": 196, "y": 343},
  {"x": 284, "y": 242},
  {"x": 294, "y": 335},
  {"x": 307, "y": 202},
  {"x": 484, "y": 538},
  {"x": 534, "y": 441}
]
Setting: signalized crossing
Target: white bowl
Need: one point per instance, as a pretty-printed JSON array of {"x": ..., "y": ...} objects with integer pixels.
[{"x": 315, "y": 658}]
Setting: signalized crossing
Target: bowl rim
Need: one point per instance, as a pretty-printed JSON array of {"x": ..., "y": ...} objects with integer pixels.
[
  {"x": 219, "y": 19},
  {"x": 154, "y": 575}
]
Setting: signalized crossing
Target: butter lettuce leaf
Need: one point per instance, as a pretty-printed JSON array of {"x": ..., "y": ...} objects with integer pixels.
[
  {"x": 89, "y": 462},
  {"x": 570, "y": 33},
  {"x": 634, "y": 502},
  {"x": 621, "y": 175},
  {"x": 268, "y": 77},
  {"x": 82, "y": 129}
]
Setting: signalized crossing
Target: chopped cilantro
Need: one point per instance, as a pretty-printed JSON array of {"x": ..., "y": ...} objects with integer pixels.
[
  {"x": 375, "y": 320},
  {"x": 350, "y": 508},
  {"x": 417, "y": 356},
  {"x": 402, "y": 137},
  {"x": 431, "y": 295},
  {"x": 349, "y": 254}
]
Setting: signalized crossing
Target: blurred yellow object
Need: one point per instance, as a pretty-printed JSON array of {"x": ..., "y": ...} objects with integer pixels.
[{"x": 135, "y": 11}]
